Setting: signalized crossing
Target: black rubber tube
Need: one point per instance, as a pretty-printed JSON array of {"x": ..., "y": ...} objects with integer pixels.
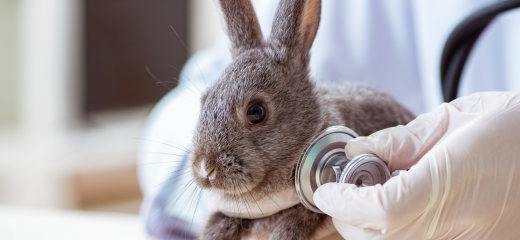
[{"x": 460, "y": 43}]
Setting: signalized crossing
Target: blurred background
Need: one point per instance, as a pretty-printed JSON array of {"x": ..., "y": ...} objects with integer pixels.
[{"x": 75, "y": 88}]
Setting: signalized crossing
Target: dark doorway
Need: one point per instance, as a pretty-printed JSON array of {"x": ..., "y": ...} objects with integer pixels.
[{"x": 122, "y": 39}]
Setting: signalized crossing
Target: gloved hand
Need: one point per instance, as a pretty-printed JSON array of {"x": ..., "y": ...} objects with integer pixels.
[{"x": 463, "y": 180}]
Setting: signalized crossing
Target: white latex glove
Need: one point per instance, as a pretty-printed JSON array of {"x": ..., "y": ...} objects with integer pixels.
[{"x": 463, "y": 182}]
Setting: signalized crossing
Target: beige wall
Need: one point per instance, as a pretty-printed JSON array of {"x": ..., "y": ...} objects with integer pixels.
[
  {"x": 8, "y": 86},
  {"x": 204, "y": 24}
]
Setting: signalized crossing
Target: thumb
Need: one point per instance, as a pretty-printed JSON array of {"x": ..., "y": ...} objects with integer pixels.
[{"x": 400, "y": 200}]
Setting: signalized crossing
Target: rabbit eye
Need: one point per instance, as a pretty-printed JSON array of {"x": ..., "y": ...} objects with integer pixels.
[{"x": 255, "y": 114}]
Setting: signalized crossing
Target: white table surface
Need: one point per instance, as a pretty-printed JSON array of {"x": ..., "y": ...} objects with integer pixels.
[{"x": 42, "y": 224}]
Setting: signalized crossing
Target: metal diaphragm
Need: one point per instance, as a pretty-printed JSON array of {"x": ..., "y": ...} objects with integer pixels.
[
  {"x": 365, "y": 170},
  {"x": 325, "y": 161}
]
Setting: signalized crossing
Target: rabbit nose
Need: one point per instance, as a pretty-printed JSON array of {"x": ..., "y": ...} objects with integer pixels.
[{"x": 207, "y": 171}]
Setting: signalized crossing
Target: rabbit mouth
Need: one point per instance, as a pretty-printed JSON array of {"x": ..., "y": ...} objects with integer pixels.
[
  {"x": 225, "y": 184},
  {"x": 213, "y": 179},
  {"x": 236, "y": 190},
  {"x": 229, "y": 186},
  {"x": 226, "y": 174}
]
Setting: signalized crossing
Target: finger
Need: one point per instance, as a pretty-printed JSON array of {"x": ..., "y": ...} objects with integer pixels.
[
  {"x": 402, "y": 146},
  {"x": 400, "y": 200}
]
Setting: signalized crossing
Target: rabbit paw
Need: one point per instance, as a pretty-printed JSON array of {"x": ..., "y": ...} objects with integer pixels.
[
  {"x": 223, "y": 227},
  {"x": 297, "y": 223}
]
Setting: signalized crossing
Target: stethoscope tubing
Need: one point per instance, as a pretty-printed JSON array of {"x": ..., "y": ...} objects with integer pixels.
[{"x": 459, "y": 44}]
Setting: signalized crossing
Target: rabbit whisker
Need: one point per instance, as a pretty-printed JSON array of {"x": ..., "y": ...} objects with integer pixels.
[
  {"x": 190, "y": 54},
  {"x": 179, "y": 81},
  {"x": 256, "y": 205},
  {"x": 179, "y": 146},
  {"x": 246, "y": 204},
  {"x": 163, "y": 143},
  {"x": 196, "y": 206},
  {"x": 171, "y": 154},
  {"x": 186, "y": 187},
  {"x": 238, "y": 204},
  {"x": 145, "y": 164},
  {"x": 161, "y": 209},
  {"x": 182, "y": 208},
  {"x": 165, "y": 82},
  {"x": 271, "y": 198},
  {"x": 155, "y": 78},
  {"x": 172, "y": 178},
  {"x": 158, "y": 81},
  {"x": 233, "y": 200},
  {"x": 180, "y": 72},
  {"x": 254, "y": 200},
  {"x": 182, "y": 169},
  {"x": 191, "y": 202},
  {"x": 250, "y": 210}
]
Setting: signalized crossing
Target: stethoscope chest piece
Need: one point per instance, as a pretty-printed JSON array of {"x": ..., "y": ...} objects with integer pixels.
[{"x": 325, "y": 161}]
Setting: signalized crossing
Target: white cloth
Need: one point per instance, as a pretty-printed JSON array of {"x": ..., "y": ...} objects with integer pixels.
[
  {"x": 464, "y": 160},
  {"x": 394, "y": 46},
  {"x": 263, "y": 207}
]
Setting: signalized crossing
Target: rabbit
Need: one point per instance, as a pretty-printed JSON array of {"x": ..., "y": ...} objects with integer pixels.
[{"x": 264, "y": 110}]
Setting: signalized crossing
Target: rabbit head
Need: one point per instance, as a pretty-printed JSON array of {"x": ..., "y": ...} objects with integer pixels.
[{"x": 257, "y": 117}]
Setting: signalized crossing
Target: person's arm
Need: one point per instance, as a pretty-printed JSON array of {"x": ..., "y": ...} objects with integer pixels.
[
  {"x": 164, "y": 145},
  {"x": 464, "y": 161}
]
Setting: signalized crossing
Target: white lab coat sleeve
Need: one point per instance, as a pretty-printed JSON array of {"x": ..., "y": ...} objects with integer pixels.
[{"x": 165, "y": 143}]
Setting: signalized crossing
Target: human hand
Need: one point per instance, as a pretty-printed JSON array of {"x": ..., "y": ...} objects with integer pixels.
[{"x": 464, "y": 163}]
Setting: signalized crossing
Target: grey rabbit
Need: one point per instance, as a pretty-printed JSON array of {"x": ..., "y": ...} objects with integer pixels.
[{"x": 264, "y": 110}]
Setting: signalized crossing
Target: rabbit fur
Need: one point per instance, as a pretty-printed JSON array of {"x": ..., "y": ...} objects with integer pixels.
[{"x": 243, "y": 161}]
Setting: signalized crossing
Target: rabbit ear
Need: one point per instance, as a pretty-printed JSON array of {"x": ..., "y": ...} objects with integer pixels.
[
  {"x": 243, "y": 28},
  {"x": 296, "y": 23}
]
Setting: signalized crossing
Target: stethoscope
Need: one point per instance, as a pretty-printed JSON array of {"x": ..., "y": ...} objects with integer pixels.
[{"x": 324, "y": 160}]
